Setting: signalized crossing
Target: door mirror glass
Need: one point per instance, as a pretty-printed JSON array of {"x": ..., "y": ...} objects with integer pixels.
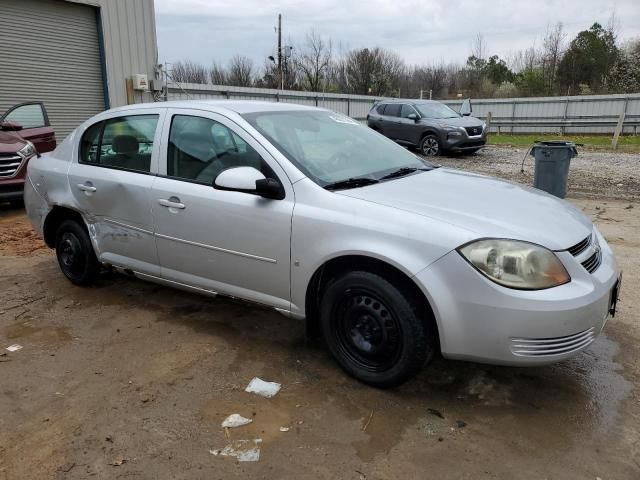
[
  {"x": 9, "y": 126},
  {"x": 412, "y": 116},
  {"x": 465, "y": 108}
]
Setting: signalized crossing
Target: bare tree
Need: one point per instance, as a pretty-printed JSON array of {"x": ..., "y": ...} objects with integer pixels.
[
  {"x": 553, "y": 48},
  {"x": 188, "y": 71},
  {"x": 373, "y": 71},
  {"x": 479, "y": 47},
  {"x": 218, "y": 74},
  {"x": 240, "y": 71},
  {"x": 314, "y": 61}
]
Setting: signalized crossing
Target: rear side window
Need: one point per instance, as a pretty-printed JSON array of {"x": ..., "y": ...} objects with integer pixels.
[
  {"x": 392, "y": 110},
  {"x": 380, "y": 108},
  {"x": 200, "y": 148},
  {"x": 125, "y": 143}
]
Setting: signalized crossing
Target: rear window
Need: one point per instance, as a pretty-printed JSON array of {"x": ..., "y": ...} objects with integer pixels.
[{"x": 392, "y": 110}]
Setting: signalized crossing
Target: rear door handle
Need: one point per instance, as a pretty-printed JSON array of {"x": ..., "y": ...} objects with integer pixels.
[
  {"x": 86, "y": 187},
  {"x": 173, "y": 202}
]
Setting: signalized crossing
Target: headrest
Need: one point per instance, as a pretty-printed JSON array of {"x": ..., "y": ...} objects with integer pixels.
[{"x": 125, "y": 144}]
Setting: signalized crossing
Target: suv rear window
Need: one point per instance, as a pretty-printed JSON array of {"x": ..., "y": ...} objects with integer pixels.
[{"x": 392, "y": 110}]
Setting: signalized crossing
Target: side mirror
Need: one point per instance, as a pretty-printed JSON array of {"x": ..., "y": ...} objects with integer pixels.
[
  {"x": 413, "y": 116},
  {"x": 249, "y": 180},
  {"x": 9, "y": 126},
  {"x": 465, "y": 108}
]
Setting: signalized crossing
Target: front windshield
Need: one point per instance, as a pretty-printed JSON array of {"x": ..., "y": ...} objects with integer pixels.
[
  {"x": 329, "y": 147},
  {"x": 436, "y": 110}
]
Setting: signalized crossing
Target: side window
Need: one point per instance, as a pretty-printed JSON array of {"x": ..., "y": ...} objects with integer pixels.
[
  {"x": 90, "y": 144},
  {"x": 29, "y": 116},
  {"x": 200, "y": 148},
  {"x": 406, "y": 110},
  {"x": 392, "y": 110},
  {"x": 127, "y": 142},
  {"x": 380, "y": 108}
]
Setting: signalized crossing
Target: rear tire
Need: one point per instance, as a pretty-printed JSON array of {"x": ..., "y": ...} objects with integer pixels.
[
  {"x": 75, "y": 253},
  {"x": 430, "y": 146},
  {"x": 374, "y": 331}
]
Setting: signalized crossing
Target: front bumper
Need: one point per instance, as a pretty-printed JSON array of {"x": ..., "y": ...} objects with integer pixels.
[
  {"x": 482, "y": 321},
  {"x": 461, "y": 141}
]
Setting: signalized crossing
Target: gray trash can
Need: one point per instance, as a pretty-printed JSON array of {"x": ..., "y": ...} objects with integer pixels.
[{"x": 552, "y": 165}]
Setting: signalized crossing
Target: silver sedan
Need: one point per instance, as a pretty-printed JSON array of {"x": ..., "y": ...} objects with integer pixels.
[{"x": 389, "y": 257}]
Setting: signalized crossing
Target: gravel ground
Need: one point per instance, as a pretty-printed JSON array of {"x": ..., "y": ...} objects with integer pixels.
[
  {"x": 593, "y": 174},
  {"x": 128, "y": 379}
]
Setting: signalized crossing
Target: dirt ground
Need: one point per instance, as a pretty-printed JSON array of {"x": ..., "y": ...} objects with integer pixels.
[{"x": 131, "y": 380}]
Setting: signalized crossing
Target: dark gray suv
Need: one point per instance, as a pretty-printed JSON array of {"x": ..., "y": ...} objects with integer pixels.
[{"x": 429, "y": 126}]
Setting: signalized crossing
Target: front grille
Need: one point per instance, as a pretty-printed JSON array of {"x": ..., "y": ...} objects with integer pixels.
[
  {"x": 472, "y": 131},
  {"x": 9, "y": 164},
  {"x": 548, "y": 347},
  {"x": 580, "y": 247},
  {"x": 592, "y": 263}
]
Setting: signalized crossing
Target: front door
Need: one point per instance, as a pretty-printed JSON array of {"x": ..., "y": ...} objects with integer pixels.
[
  {"x": 408, "y": 129},
  {"x": 111, "y": 180},
  {"x": 229, "y": 242},
  {"x": 33, "y": 119}
]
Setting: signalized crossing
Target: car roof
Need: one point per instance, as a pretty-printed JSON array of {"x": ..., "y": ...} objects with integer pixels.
[
  {"x": 237, "y": 106},
  {"x": 409, "y": 101}
]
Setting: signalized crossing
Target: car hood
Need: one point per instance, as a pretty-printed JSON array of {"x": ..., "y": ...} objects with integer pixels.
[
  {"x": 456, "y": 121},
  {"x": 486, "y": 206},
  {"x": 10, "y": 142}
]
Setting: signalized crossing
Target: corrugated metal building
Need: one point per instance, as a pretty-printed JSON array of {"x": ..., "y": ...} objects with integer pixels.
[{"x": 74, "y": 55}]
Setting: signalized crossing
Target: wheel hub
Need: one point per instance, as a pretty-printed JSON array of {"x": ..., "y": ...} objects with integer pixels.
[{"x": 367, "y": 331}]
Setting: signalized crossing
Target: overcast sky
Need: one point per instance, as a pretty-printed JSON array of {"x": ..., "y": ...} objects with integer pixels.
[{"x": 423, "y": 31}]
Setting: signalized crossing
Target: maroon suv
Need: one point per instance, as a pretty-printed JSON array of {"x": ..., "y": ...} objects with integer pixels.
[{"x": 24, "y": 132}]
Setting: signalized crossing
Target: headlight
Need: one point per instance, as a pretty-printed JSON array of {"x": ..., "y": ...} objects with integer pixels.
[
  {"x": 450, "y": 128},
  {"x": 28, "y": 150},
  {"x": 516, "y": 264}
]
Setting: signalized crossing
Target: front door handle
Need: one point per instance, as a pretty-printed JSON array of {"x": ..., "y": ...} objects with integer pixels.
[
  {"x": 173, "y": 202},
  {"x": 86, "y": 187}
]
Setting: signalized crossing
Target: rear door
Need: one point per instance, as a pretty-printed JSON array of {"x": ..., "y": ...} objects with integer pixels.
[
  {"x": 110, "y": 179},
  {"x": 390, "y": 120},
  {"x": 33, "y": 119}
]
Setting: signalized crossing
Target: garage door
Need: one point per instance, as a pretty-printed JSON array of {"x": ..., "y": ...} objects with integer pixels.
[{"x": 49, "y": 53}]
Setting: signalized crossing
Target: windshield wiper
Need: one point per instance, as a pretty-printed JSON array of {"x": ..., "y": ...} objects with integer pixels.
[
  {"x": 354, "y": 182},
  {"x": 401, "y": 172}
]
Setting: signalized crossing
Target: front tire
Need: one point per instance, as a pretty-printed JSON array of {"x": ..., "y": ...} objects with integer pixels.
[
  {"x": 430, "y": 146},
  {"x": 75, "y": 253},
  {"x": 374, "y": 331}
]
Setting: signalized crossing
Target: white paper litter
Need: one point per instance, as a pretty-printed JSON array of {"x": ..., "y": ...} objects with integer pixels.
[
  {"x": 235, "y": 420},
  {"x": 262, "y": 388},
  {"x": 243, "y": 450},
  {"x": 14, "y": 348},
  {"x": 284, "y": 429}
]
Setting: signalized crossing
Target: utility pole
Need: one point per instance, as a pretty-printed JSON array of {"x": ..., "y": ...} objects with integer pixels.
[{"x": 280, "y": 51}]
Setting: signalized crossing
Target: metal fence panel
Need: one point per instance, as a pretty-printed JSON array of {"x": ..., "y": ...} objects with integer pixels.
[{"x": 578, "y": 114}]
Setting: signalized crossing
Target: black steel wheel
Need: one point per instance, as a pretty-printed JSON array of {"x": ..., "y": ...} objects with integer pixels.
[
  {"x": 75, "y": 253},
  {"x": 430, "y": 146},
  {"x": 374, "y": 331}
]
